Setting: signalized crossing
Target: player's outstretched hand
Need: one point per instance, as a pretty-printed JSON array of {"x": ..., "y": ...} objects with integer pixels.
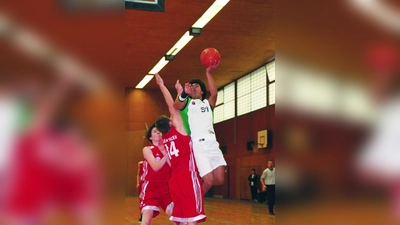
[
  {"x": 159, "y": 80},
  {"x": 178, "y": 87},
  {"x": 188, "y": 88}
]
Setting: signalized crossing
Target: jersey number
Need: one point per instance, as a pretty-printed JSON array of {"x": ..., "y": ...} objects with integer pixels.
[
  {"x": 172, "y": 150},
  {"x": 204, "y": 109}
]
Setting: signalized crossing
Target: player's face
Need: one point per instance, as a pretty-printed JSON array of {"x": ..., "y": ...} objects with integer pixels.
[
  {"x": 155, "y": 135},
  {"x": 196, "y": 91},
  {"x": 270, "y": 165}
]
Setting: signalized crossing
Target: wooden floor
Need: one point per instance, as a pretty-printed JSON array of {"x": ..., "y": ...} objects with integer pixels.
[{"x": 218, "y": 211}]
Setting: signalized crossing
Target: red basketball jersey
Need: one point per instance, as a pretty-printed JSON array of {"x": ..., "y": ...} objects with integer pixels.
[
  {"x": 149, "y": 174},
  {"x": 154, "y": 192},
  {"x": 180, "y": 152}
]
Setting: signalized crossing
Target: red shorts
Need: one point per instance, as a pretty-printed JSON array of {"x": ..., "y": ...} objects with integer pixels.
[
  {"x": 187, "y": 194},
  {"x": 154, "y": 196}
]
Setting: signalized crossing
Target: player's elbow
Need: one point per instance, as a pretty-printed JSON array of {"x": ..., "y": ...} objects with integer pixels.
[{"x": 178, "y": 105}]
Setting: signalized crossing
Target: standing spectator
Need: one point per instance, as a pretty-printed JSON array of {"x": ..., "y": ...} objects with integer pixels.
[
  {"x": 253, "y": 182},
  {"x": 268, "y": 185},
  {"x": 197, "y": 116}
]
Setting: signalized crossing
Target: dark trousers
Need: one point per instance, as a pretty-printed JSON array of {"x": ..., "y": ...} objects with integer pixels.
[
  {"x": 271, "y": 197},
  {"x": 253, "y": 192}
]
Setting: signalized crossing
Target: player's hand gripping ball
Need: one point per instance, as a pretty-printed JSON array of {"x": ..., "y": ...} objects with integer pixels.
[{"x": 210, "y": 56}]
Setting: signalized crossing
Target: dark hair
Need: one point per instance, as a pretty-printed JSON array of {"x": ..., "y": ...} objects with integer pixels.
[
  {"x": 253, "y": 170},
  {"x": 162, "y": 124},
  {"x": 202, "y": 86},
  {"x": 149, "y": 132}
]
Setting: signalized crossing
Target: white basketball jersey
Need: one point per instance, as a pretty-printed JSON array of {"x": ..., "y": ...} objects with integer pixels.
[{"x": 200, "y": 117}]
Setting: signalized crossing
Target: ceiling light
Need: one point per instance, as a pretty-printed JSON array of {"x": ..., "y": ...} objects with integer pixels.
[
  {"x": 169, "y": 57},
  {"x": 144, "y": 81},
  {"x": 210, "y": 13},
  {"x": 180, "y": 44},
  {"x": 159, "y": 66},
  {"x": 194, "y": 31},
  {"x": 221, "y": 2}
]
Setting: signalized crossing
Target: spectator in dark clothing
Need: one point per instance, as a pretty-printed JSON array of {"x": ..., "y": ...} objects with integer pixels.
[{"x": 253, "y": 182}]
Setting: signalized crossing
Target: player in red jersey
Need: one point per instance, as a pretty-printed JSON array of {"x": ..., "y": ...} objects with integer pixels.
[
  {"x": 185, "y": 184},
  {"x": 139, "y": 182},
  {"x": 54, "y": 167},
  {"x": 154, "y": 192},
  {"x": 56, "y": 170}
]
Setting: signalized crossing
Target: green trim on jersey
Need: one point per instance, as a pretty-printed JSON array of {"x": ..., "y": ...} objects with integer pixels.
[
  {"x": 184, "y": 115},
  {"x": 24, "y": 116}
]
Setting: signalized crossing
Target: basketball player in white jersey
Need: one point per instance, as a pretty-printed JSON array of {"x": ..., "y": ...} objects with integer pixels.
[{"x": 197, "y": 114}]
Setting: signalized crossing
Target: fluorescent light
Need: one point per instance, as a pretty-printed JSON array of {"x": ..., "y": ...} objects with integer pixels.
[
  {"x": 172, "y": 51},
  {"x": 144, "y": 81},
  {"x": 159, "y": 66},
  {"x": 200, "y": 23},
  {"x": 180, "y": 44},
  {"x": 210, "y": 13},
  {"x": 155, "y": 70},
  {"x": 221, "y": 2}
]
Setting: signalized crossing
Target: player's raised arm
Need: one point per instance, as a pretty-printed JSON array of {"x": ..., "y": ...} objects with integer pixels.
[
  {"x": 211, "y": 85},
  {"x": 175, "y": 116}
]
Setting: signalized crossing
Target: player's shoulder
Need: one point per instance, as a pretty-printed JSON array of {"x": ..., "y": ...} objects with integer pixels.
[{"x": 150, "y": 147}]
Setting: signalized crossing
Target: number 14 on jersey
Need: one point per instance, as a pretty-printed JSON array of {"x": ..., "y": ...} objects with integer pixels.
[{"x": 172, "y": 150}]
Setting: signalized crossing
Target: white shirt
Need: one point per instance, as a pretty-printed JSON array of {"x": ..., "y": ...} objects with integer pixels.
[
  {"x": 200, "y": 118},
  {"x": 383, "y": 147},
  {"x": 268, "y": 176}
]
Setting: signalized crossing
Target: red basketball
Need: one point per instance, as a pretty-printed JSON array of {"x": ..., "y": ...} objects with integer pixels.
[{"x": 209, "y": 56}]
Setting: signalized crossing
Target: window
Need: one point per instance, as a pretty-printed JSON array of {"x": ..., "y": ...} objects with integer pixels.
[
  {"x": 225, "y": 106},
  {"x": 271, "y": 82},
  {"x": 271, "y": 93},
  {"x": 271, "y": 71},
  {"x": 252, "y": 91},
  {"x": 219, "y": 109}
]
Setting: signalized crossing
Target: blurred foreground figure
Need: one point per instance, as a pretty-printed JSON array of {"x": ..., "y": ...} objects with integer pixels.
[
  {"x": 51, "y": 170},
  {"x": 379, "y": 162},
  {"x": 48, "y": 169}
]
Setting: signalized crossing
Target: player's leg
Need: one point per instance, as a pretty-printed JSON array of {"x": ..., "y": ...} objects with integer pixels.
[
  {"x": 208, "y": 181},
  {"x": 147, "y": 215},
  {"x": 219, "y": 175},
  {"x": 215, "y": 177}
]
